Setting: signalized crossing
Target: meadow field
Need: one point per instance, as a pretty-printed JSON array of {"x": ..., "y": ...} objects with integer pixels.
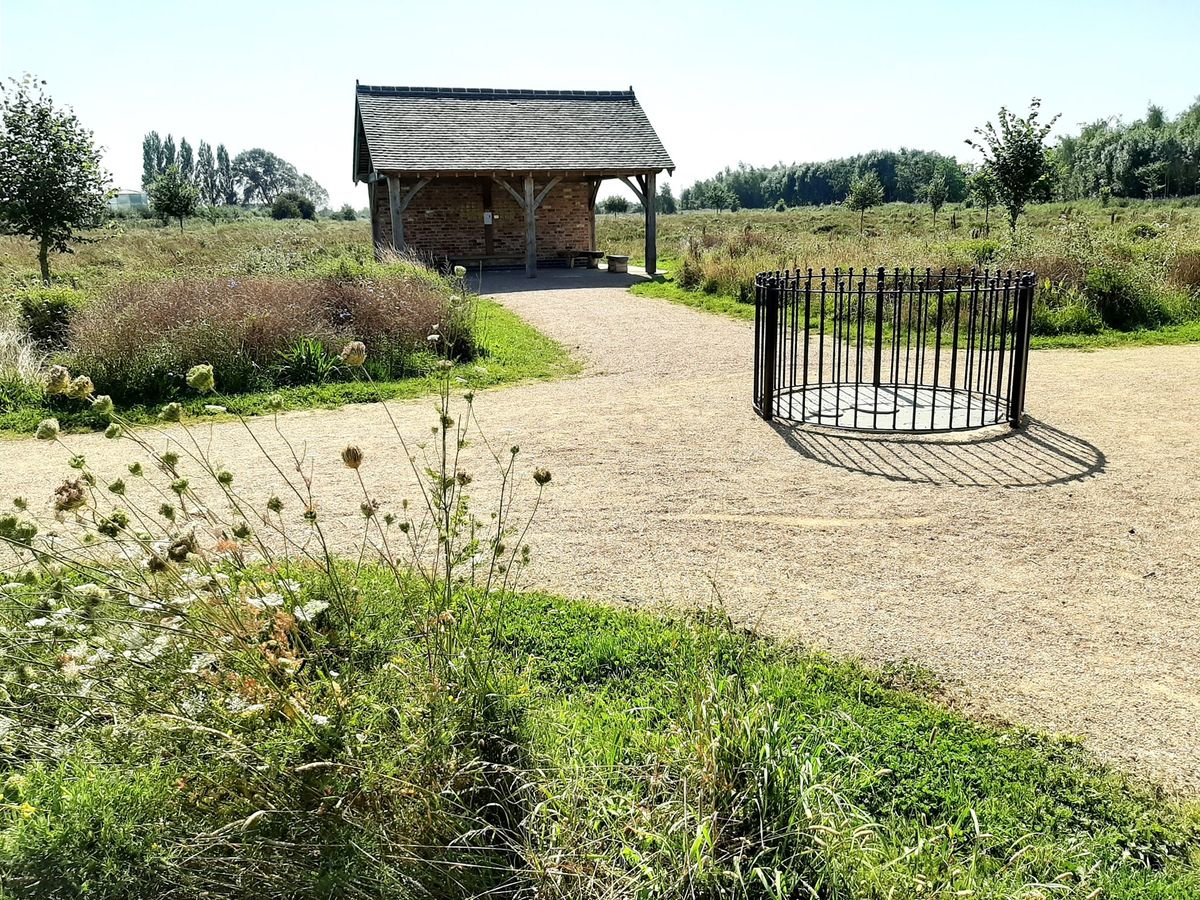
[
  {"x": 199, "y": 696},
  {"x": 1107, "y": 274}
]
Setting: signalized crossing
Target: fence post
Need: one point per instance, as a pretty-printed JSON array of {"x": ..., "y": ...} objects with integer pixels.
[
  {"x": 879, "y": 276},
  {"x": 1020, "y": 351},
  {"x": 770, "y": 346}
]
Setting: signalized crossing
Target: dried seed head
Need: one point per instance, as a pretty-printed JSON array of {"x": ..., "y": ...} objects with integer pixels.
[
  {"x": 354, "y": 354},
  {"x": 47, "y": 430},
  {"x": 103, "y": 405},
  {"x": 172, "y": 412},
  {"x": 541, "y": 476},
  {"x": 80, "y": 388},
  {"x": 352, "y": 456},
  {"x": 58, "y": 380},
  {"x": 201, "y": 379}
]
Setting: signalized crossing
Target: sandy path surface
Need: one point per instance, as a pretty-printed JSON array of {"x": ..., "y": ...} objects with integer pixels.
[{"x": 1050, "y": 575}]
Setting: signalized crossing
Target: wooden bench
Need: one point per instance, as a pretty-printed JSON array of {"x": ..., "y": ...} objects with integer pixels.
[{"x": 590, "y": 257}]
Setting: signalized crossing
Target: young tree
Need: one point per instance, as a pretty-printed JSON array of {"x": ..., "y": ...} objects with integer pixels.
[
  {"x": 347, "y": 213},
  {"x": 187, "y": 161},
  {"x": 722, "y": 196},
  {"x": 206, "y": 174},
  {"x": 226, "y": 183},
  {"x": 173, "y": 195},
  {"x": 983, "y": 189},
  {"x": 166, "y": 158},
  {"x": 1017, "y": 156},
  {"x": 51, "y": 182},
  {"x": 614, "y": 205},
  {"x": 151, "y": 150},
  {"x": 666, "y": 200},
  {"x": 935, "y": 193},
  {"x": 865, "y": 192}
]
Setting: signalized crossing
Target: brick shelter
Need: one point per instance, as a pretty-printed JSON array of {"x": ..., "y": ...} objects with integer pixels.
[{"x": 498, "y": 177}]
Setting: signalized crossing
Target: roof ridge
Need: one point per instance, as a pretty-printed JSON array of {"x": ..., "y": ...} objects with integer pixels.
[{"x": 494, "y": 93}]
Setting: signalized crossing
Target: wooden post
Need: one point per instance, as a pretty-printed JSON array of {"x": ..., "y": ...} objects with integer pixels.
[
  {"x": 649, "y": 202},
  {"x": 530, "y": 229},
  {"x": 593, "y": 190},
  {"x": 376, "y": 238},
  {"x": 397, "y": 213}
]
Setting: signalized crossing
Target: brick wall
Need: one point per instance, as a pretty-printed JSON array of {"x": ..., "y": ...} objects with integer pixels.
[{"x": 446, "y": 219}]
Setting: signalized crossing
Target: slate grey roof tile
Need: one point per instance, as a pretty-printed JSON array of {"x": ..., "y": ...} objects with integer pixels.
[{"x": 420, "y": 129}]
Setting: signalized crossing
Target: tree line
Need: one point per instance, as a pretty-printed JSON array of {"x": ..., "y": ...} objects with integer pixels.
[
  {"x": 1154, "y": 156},
  {"x": 905, "y": 176},
  {"x": 253, "y": 176}
]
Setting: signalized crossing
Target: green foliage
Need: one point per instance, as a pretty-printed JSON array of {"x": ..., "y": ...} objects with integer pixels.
[
  {"x": 263, "y": 175},
  {"x": 1123, "y": 301},
  {"x": 614, "y": 204},
  {"x": 306, "y": 361},
  {"x": 904, "y": 175},
  {"x": 347, "y": 213},
  {"x": 151, "y": 151},
  {"x": 293, "y": 205},
  {"x": 936, "y": 193},
  {"x": 52, "y": 185},
  {"x": 866, "y": 192},
  {"x": 173, "y": 195},
  {"x": 47, "y": 312},
  {"x": 1017, "y": 158}
]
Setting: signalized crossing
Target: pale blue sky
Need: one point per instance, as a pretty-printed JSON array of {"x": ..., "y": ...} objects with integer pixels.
[{"x": 722, "y": 82}]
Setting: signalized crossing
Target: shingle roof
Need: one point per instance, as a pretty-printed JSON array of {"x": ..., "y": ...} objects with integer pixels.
[{"x": 421, "y": 129}]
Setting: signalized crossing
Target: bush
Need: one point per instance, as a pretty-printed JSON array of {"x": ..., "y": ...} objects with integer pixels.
[
  {"x": 293, "y": 206},
  {"x": 1143, "y": 231},
  {"x": 347, "y": 213},
  {"x": 139, "y": 340},
  {"x": 47, "y": 313},
  {"x": 1123, "y": 302}
]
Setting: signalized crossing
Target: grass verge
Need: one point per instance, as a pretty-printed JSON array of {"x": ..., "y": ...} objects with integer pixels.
[
  {"x": 663, "y": 287},
  {"x": 599, "y": 752},
  {"x": 513, "y": 351}
]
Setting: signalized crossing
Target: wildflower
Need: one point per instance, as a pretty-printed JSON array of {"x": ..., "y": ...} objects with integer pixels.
[
  {"x": 369, "y": 508},
  {"x": 172, "y": 412},
  {"x": 58, "y": 380},
  {"x": 460, "y": 271},
  {"x": 113, "y": 431},
  {"x": 319, "y": 720},
  {"x": 167, "y": 511},
  {"x": 135, "y": 468},
  {"x": 80, "y": 388},
  {"x": 20, "y": 503},
  {"x": 47, "y": 430},
  {"x": 69, "y": 495},
  {"x": 275, "y": 402},
  {"x": 77, "y": 462},
  {"x": 179, "y": 550},
  {"x": 103, "y": 405},
  {"x": 214, "y": 410},
  {"x": 541, "y": 476},
  {"x": 117, "y": 487},
  {"x": 169, "y": 459},
  {"x": 275, "y": 505},
  {"x": 179, "y": 486},
  {"x": 225, "y": 477},
  {"x": 354, "y": 354},
  {"x": 111, "y": 525},
  {"x": 200, "y": 379},
  {"x": 352, "y": 456},
  {"x": 241, "y": 531}
]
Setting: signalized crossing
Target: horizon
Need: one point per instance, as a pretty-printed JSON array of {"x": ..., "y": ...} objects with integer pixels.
[{"x": 710, "y": 109}]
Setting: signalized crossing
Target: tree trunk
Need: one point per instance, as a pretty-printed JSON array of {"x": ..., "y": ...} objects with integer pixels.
[
  {"x": 181, "y": 224},
  {"x": 862, "y": 214},
  {"x": 44, "y": 260},
  {"x": 987, "y": 227}
]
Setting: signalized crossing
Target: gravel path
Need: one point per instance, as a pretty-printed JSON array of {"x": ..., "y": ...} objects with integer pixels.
[{"x": 1049, "y": 576}]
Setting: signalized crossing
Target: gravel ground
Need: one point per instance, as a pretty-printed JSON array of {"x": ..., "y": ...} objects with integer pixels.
[{"x": 1048, "y": 576}]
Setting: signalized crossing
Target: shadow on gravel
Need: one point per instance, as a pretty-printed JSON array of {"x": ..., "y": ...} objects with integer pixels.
[
  {"x": 510, "y": 281},
  {"x": 1038, "y": 455}
]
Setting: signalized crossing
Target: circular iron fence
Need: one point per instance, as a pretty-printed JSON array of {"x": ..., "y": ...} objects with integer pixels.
[{"x": 892, "y": 351}]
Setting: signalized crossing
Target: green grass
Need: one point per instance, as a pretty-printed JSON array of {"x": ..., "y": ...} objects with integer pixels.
[
  {"x": 513, "y": 351},
  {"x": 663, "y": 287},
  {"x": 640, "y": 755}
]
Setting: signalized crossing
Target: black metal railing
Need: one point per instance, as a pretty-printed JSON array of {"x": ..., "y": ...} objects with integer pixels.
[{"x": 892, "y": 351}]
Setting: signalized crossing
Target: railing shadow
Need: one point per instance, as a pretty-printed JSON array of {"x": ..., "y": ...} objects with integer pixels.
[{"x": 1038, "y": 455}]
